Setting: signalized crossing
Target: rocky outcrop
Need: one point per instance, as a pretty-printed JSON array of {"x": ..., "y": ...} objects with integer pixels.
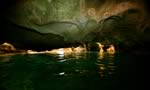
[{"x": 6, "y": 47}]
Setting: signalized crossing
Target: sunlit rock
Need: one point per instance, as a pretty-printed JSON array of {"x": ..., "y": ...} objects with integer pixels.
[
  {"x": 60, "y": 51},
  {"x": 34, "y": 52},
  {"x": 6, "y": 47},
  {"x": 79, "y": 49},
  {"x": 111, "y": 49},
  {"x": 100, "y": 47},
  {"x": 67, "y": 51}
]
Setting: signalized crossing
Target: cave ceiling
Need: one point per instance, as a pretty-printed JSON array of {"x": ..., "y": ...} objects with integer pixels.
[{"x": 59, "y": 23}]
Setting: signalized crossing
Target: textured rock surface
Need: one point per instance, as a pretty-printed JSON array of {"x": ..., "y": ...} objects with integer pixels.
[
  {"x": 47, "y": 24},
  {"x": 30, "y": 13}
]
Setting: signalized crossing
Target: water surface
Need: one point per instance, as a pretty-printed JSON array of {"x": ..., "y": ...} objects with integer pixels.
[{"x": 83, "y": 71}]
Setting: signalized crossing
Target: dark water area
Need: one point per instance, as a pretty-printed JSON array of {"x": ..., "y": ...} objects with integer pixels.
[{"x": 84, "y": 71}]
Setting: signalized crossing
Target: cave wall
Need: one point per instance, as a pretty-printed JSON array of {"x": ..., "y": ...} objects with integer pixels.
[
  {"x": 116, "y": 21},
  {"x": 35, "y": 13},
  {"x": 39, "y": 12}
]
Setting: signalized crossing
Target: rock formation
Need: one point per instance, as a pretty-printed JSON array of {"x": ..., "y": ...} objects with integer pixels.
[
  {"x": 49, "y": 24},
  {"x": 6, "y": 47}
]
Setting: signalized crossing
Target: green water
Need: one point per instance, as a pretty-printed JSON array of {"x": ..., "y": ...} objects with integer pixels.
[{"x": 85, "y": 71}]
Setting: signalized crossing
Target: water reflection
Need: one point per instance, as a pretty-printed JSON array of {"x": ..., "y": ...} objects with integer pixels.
[
  {"x": 6, "y": 57},
  {"x": 106, "y": 64},
  {"x": 75, "y": 71},
  {"x": 100, "y": 55}
]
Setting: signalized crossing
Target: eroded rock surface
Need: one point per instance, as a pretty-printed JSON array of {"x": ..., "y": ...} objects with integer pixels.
[{"x": 48, "y": 24}]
